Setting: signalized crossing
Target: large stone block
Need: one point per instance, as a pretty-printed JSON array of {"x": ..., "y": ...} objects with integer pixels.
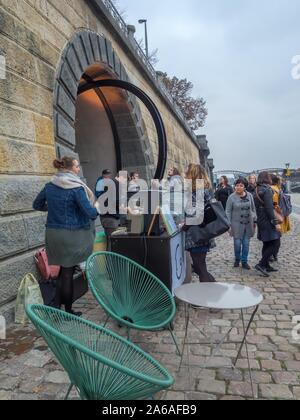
[
  {"x": 21, "y": 233},
  {"x": 66, "y": 103},
  {"x": 24, "y": 12},
  {"x": 45, "y": 74},
  {"x": 80, "y": 7},
  {"x": 68, "y": 80},
  {"x": 8, "y": 312},
  {"x": 11, "y": 273},
  {"x": 13, "y": 237},
  {"x": 64, "y": 130},
  {"x": 95, "y": 46},
  {"x": 117, "y": 65},
  {"x": 16, "y": 123},
  {"x": 79, "y": 48},
  {"x": 26, "y": 64},
  {"x": 26, "y": 94},
  {"x": 103, "y": 50},
  {"x": 88, "y": 48},
  {"x": 35, "y": 229},
  {"x": 44, "y": 130},
  {"x": 55, "y": 16},
  {"x": 69, "y": 13},
  {"x": 22, "y": 35},
  {"x": 74, "y": 64},
  {"x": 17, "y": 193},
  {"x": 21, "y": 157},
  {"x": 110, "y": 53},
  {"x": 65, "y": 151},
  {"x": 3, "y": 156}
]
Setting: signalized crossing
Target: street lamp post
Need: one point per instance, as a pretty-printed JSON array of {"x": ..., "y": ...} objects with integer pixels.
[
  {"x": 288, "y": 170},
  {"x": 288, "y": 175},
  {"x": 144, "y": 21}
]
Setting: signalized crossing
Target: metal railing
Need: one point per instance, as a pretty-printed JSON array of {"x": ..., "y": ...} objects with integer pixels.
[{"x": 141, "y": 54}]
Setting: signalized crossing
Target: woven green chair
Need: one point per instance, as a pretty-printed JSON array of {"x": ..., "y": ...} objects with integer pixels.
[
  {"x": 100, "y": 364},
  {"x": 130, "y": 294}
]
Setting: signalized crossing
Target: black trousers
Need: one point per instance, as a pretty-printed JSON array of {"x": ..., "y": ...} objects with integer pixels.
[
  {"x": 269, "y": 249},
  {"x": 200, "y": 267},
  {"x": 277, "y": 248},
  {"x": 65, "y": 289}
]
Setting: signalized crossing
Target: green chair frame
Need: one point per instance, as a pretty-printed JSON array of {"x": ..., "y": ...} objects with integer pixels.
[
  {"x": 100, "y": 364},
  {"x": 130, "y": 294}
]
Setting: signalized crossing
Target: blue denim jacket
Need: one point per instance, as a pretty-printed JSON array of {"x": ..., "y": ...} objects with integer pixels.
[{"x": 67, "y": 209}]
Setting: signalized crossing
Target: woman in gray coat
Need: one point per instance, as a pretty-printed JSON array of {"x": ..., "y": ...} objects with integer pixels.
[{"x": 241, "y": 213}]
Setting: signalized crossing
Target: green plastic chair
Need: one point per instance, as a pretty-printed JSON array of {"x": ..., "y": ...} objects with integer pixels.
[
  {"x": 100, "y": 364},
  {"x": 130, "y": 294}
]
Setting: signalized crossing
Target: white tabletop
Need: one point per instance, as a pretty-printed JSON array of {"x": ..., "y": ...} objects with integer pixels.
[{"x": 219, "y": 295}]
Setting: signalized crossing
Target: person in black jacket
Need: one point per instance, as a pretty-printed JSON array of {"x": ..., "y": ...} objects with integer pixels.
[
  {"x": 224, "y": 191},
  {"x": 269, "y": 229}
]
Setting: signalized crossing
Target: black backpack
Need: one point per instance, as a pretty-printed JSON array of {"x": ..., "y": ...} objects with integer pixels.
[{"x": 285, "y": 203}]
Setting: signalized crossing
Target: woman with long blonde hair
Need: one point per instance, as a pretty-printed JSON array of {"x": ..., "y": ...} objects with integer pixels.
[{"x": 198, "y": 175}]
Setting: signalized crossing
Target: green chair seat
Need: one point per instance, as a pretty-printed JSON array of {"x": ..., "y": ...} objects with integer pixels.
[
  {"x": 100, "y": 364},
  {"x": 129, "y": 293}
]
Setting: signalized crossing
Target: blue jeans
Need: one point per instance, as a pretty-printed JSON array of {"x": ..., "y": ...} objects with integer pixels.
[{"x": 242, "y": 248}]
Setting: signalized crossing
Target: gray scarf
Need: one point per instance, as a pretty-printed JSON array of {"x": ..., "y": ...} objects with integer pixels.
[{"x": 69, "y": 181}]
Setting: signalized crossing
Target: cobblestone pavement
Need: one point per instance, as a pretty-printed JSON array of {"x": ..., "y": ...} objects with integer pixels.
[
  {"x": 296, "y": 203},
  {"x": 28, "y": 370}
]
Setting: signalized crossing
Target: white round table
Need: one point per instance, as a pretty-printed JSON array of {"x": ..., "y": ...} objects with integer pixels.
[{"x": 221, "y": 296}]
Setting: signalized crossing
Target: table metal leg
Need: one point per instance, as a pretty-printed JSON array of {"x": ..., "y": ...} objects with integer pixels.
[
  {"x": 216, "y": 347},
  {"x": 245, "y": 333},
  {"x": 185, "y": 343},
  {"x": 247, "y": 351}
]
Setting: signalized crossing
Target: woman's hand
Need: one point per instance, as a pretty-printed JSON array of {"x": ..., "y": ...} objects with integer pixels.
[{"x": 97, "y": 207}]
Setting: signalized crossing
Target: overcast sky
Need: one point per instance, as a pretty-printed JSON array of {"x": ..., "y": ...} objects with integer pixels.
[{"x": 238, "y": 54}]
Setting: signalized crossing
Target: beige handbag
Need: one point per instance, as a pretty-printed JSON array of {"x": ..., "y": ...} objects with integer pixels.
[{"x": 29, "y": 293}]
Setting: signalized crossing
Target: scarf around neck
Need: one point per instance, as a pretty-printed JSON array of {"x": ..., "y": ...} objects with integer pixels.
[{"x": 69, "y": 181}]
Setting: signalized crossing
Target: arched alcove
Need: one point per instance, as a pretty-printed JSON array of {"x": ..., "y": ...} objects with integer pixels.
[{"x": 103, "y": 127}]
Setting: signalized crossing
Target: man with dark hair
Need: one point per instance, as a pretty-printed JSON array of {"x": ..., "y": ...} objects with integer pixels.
[
  {"x": 134, "y": 186},
  {"x": 99, "y": 188}
]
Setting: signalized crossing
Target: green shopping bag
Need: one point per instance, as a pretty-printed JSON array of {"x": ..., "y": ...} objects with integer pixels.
[{"x": 29, "y": 293}]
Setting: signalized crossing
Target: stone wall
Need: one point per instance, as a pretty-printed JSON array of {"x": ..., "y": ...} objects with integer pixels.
[{"x": 33, "y": 35}]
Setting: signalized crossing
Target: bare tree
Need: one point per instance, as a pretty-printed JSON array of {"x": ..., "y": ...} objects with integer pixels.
[
  {"x": 194, "y": 110},
  {"x": 153, "y": 56},
  {"x": 122, "y": 12}
]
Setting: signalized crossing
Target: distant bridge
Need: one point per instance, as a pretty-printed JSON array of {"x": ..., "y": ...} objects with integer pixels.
[
  {"x": 278, "y": 171},
  {"x": 236, "y": 173},
  {"x": 295, "y": 187}
]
